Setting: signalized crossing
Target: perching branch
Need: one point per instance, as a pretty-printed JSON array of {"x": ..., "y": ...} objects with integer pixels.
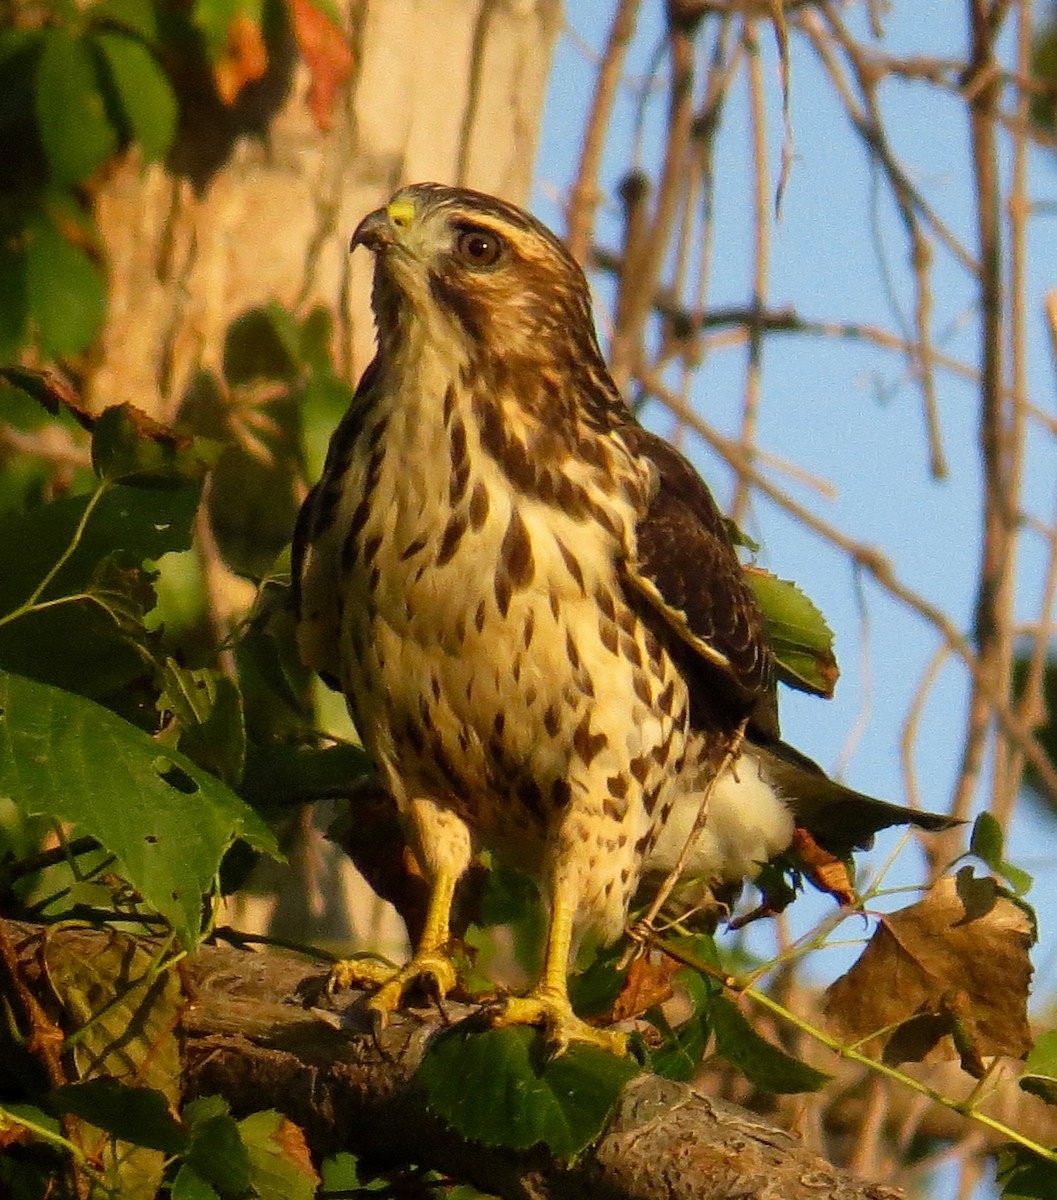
[{"x": 247, "y": 1034}]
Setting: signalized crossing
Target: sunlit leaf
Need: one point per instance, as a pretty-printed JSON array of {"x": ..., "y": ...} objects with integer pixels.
[
  {"x": 167, "y": 822},
  {"x": 1040, "y": 1069},
  {"x": 494, "y": 1087},
  {"x": 801, "y": 639},
  {"x": 280, "y": 1164}
]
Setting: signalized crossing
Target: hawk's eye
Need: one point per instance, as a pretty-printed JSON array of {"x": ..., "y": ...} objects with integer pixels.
[{"x": 478, "y": 247}]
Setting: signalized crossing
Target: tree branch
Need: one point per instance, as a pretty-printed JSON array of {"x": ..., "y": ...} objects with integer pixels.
[{"x": 247, "y": 1034}]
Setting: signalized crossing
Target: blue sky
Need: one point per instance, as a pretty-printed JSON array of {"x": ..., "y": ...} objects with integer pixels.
[{"x": 822, "y": 406}]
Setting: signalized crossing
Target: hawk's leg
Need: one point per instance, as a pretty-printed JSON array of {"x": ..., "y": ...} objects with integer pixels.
[
  {"x": 443, "y": 849},
  {"x": 431, "y": 963},
  {"x": 548, "y": 1004}
]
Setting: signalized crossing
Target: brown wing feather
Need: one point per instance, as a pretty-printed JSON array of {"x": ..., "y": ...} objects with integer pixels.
[{"x": 688, "y": 572}]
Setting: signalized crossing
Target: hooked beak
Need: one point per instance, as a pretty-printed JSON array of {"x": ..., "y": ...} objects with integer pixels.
[{"x": 381, "y": 228}]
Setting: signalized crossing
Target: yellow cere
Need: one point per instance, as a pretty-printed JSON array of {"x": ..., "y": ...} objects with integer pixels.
[{"x": 401, "y": 213}]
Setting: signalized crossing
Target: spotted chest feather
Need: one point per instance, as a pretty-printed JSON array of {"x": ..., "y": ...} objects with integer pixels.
[{"x": 488, "y": 654}]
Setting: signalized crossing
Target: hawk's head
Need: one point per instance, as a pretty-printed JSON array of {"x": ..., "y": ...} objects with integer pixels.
[{"x": 500, "y": 281}]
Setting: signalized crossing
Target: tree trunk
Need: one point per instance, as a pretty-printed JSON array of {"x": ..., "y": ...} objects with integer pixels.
[{"x": 263, "y": 204}]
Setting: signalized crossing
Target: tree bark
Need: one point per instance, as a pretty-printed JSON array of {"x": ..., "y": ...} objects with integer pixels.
[
  {"x": 247, "y": 1033},
  {"x": 256, "y": 203}
]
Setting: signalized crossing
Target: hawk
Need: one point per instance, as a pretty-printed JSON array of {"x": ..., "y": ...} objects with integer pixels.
[{"x": 533, "y": 605}]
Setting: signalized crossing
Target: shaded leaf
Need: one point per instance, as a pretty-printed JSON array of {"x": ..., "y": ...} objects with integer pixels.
[
  {"x": 207, "y": 708},
  {"x": 50, "y": 389},
  {"x": 137, "y": 16},
  {"x": 65, "y": 291},
  {"x": 1023, "y": 1175},
  {"x": 167, "y": 822},
  {"x": 764, "y": 1064},
  {"x": 78, "y": 646},
  {"x": 933, "y": 970},
  {"x": 492, "y": 1087},
  {"x": 801, "y": 639},
  {"x": 129, "y": 446},
  {"x": 147, "y": 100},
  {"x": 134, "y": 1114},
  {"x": 125, "y": 1010},
  {"x": 14, "y": 312},
  {"x": 679, "y": 1057},
  {"x": 189, "y": 1185},
  {"x": 217, "y": 1152},
  {"x": 262, "y": 343},
  {"x": 71, "y": 113}
]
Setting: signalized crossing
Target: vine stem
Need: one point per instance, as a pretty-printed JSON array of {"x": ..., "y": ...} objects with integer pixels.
[
  {"x": 30, "y": 603},
  {"x": 732, "y": 984}
]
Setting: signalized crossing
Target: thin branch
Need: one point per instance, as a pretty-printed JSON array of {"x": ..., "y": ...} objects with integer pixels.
[{"x": 584, "y": 195}]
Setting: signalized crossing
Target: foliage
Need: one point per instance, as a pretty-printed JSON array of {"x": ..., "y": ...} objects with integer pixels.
[
  {"x": 83, "y": 84},
  {"x": 143, "y": 759}
]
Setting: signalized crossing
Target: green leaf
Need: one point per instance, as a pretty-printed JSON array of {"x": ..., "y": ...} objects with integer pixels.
[
  {"x": 32, "y": 1116},
  {"x": 131, "y": 524},
  {"x": 280, "y": 1166},
  {"x": 14, "y": 302},
  {"x": 764, "y": 1064},
  {"x": 262, "y": 343},
  {"x": 78, "y": 646},
  {"x": 207, "y": 706},
  {"x": 65, "y": 291},
  {"x": 801, "y": 639},
  {"x": 137, "y": 16},
  {"x": 189, "y": 1185},
  {"x": 128, "y": 445},
  {"x": 218, "y": 1154},
  {"x": 1040, "y": 1069},
  {"x": 341, "y": 1173},
  {"x": 317, "y": 334},
  {"x": 71, "y": 112},
  {"x": 135, "y": 1114},
  {"x": 278, "y": 774},
  {"x": 492, "y": 1087},
  {"x": 167, "y": 822},
  {"x": 325, "y": 400},
  {"x": 1023, "y": 1175},
  {"x": 680, "y": 1055},
  {"x": 987, "y": 842},
  {"x": 214, "y": 18},
  {"x": 147, "y": 101}
]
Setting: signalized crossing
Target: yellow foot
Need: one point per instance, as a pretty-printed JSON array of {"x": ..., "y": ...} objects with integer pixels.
[
  {"x": 431, "y": 969},
  {"x": 560, "y": 1024}
]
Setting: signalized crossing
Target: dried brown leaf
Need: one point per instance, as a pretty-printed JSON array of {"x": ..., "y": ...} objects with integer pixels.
[
  {"x": 940, "y": 980},
  {"x": 648, "y": 983},
  {"x": 245, "y": 58},
  {"x": 327, "y": 56},
  {"x": 827, "y": 872}
]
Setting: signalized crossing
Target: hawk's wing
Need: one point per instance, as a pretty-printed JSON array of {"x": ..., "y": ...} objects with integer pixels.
[
  {"x": 315, "y": 577},
  {"x": 688, "y": 573}
]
